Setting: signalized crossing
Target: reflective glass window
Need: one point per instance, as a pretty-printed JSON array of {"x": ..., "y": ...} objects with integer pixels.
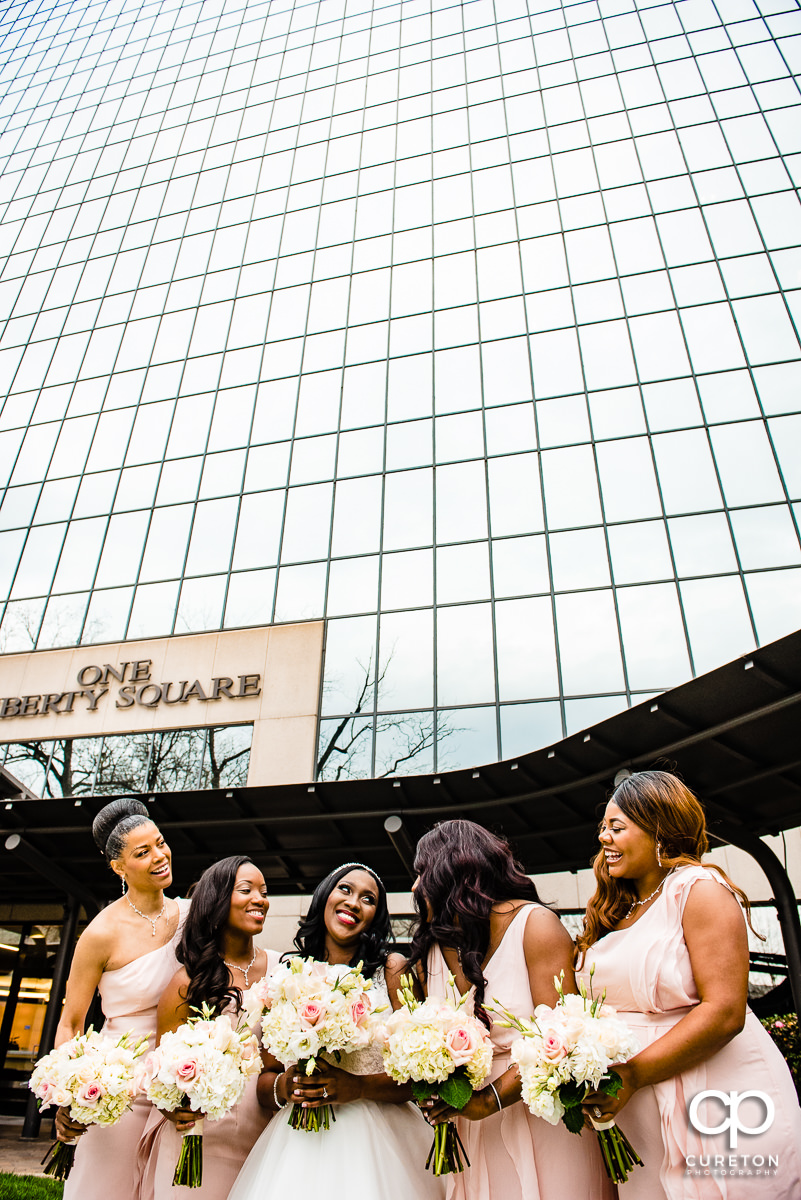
[{"x": 589, "y": 644}]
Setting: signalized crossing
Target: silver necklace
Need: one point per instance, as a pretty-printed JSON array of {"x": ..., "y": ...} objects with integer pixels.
[
  {"x": 639, "y": 903},
  {"x": 245, "y": 970},
  {"x": 152, "y": 920}
]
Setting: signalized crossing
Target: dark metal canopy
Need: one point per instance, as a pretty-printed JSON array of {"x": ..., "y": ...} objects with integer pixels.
[{"x": 733, "y": 734}]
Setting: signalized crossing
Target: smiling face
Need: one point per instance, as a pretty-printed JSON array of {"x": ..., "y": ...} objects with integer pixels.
[
  {"x": 629, "y": 851},
  {"x": 349, "y": 910},
  {"x": 249, "y": 903},
  {"x": 146, "y": 860}
]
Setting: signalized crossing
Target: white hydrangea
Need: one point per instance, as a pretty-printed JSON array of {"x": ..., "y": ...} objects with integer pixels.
[
  {"x": 92, "y": 1075},
  {"x": 577, "y": 1041},
  {"x": 311, "y": 1007},
  {"x": 429, "y": 1041},
  {"x": 205, "y": 1063}
]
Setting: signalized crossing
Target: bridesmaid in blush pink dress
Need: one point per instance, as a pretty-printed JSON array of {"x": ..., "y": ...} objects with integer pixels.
[
  {"x": 229, "y": 904},
  {"x": 481, "y": 921},
  {"x": 128, "y": 953},
  {"x": 668, "y": 942}
]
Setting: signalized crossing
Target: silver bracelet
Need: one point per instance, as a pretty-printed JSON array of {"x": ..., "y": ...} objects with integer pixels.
[
  {"x": 276, "y": 1097},
  {"x": 495, "y": 1094}
]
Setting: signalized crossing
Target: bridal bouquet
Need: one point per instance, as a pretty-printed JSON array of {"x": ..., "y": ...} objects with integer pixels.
[
  {"x": 94, "y": 1077},
  {"x": 204, "y": 1065},
  {"x": 446, "y": 1051},
  {"x": 309, "y": 1008},
  {"x": 565, "y": 1052}
]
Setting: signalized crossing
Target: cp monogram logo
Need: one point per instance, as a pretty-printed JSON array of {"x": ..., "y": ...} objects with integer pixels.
[{"x": 731, "y": 1101}]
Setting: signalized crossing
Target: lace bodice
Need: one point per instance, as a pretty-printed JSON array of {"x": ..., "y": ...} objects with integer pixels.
[{"x": 367, "y": 1061}]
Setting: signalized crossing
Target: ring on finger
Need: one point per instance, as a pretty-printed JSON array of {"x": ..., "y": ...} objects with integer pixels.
[
  {"x": 598, "y": 1113},
  {"x": 325, "y": 1093}
]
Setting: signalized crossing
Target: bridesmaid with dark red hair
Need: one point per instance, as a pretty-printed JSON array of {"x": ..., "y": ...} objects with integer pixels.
[{"x": 481, "y": 920}]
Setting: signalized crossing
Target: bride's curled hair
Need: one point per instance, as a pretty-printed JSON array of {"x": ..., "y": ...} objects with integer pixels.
[
  {"x": 373, "y": 945},
  {"x": 200, "y": 946}
]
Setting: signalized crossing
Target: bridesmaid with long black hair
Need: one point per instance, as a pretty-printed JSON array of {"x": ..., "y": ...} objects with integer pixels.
[
  {"x": 127, "y": 953},
  {"x": 220, "y": 961}
]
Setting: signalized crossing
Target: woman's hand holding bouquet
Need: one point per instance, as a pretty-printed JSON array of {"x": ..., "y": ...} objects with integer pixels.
[
  {"x": 203, "y": 1065},
  {"x": 446, "y": 1051},
  {"x": 91, "y": 1076},
  {"x": 564, "y": 1053},
  {"x": 309, "y": 1008}
]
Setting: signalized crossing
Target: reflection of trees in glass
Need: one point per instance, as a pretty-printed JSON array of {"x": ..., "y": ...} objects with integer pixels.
[
  {"x": 405, "y": 743},
  {"x": 170, "y": 761}
]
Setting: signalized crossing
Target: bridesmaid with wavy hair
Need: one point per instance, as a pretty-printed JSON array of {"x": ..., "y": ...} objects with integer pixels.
[
  {"x": 220, "y": 960},
  {"x": 481, "y": 920},
  {"x": 667, "y": 938},
  {"x": 127, "y": 953}
]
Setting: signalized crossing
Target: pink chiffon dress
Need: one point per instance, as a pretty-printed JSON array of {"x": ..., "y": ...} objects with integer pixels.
[
  {"x": 648, "y": 977},
  {"x": 105, "y": 1158},
  {"x": 226, "y": 1144},
  {"x": 513, "y": 1155}
]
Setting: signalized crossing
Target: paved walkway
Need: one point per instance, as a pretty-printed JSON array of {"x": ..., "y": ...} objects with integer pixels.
[{"x": 22, "y": 1158}]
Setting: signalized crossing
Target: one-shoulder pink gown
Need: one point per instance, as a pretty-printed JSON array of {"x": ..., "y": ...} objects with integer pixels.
[
  {"x": 648, "y": 977},
  {"x": 105, "y": 1158},
  {"x": 226, "y": 1144},
  {"x": 513, "y": 1155}
]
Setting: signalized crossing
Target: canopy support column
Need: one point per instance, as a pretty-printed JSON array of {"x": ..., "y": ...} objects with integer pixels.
[{"x": 783, "y": 895}]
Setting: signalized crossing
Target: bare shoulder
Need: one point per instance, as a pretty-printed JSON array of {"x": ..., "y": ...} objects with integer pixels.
[
  {"x": 710, "y": 901},
  {"x": 97, "y": 939},
  {"x": 543, "y": 927},
  {"x": 393, "y": 969}
]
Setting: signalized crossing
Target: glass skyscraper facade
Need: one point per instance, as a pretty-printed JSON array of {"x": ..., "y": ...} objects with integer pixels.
[{"x": 472, "y": 328}]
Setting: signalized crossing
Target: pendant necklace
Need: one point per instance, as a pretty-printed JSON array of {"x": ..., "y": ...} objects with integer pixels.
[
  {"x": 244, "y": 970},
  {"x": 639, "y": 903},
  {"x": 152, "y": 920}
]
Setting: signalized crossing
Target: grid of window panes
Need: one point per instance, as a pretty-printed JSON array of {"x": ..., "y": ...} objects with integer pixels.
[
  {"x": 470, "y": 327},
  {"x": 176, "y": 760}
]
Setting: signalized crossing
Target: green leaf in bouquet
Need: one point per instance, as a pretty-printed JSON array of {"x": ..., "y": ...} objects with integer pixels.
[
  {"x": 456, "y": 1091},
  {"x": 572, "y": 1094},
  {"x": 611, "y": 1084},
  {"x": 423, "y": 1091},
  {"x": 573, "y": 1118}
]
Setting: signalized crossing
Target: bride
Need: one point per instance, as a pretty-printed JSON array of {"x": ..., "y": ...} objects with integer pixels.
[{"x": 376, "y": 1126}]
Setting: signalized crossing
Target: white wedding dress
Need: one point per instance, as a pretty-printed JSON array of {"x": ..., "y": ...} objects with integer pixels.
[{"x": 377, "y": 1150}]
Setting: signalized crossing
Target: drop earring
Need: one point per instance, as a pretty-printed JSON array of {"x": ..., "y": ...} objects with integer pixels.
[
  {"x": 658, "y": 854},
  {"x": 122, "y": 880}
]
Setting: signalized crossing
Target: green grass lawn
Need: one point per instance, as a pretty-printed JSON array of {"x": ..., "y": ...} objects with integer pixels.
[{"x": 29, "y": 1187}]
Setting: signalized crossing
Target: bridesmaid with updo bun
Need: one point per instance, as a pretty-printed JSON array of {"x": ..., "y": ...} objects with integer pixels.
[{"x": 127, "y": 953}]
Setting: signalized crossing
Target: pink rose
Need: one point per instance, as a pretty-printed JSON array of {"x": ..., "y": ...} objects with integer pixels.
[
  {"x": 461, "y": 1043},
  {"x": 90, "y": 1094},
  {"x": 554, "y": 1047},
  {"x": 146, "y": 1070},
  {"x": 311, "y": 1013},
  {"x": 186, "y": 1070},
  {"x": 360, "y": 1009}
]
